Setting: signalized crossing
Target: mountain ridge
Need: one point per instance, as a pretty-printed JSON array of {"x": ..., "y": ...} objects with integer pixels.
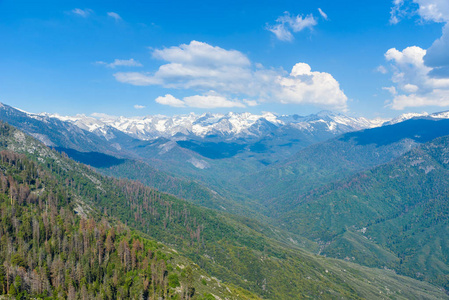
[
  {"x": 230, "y": 125},
  {"x": 220, "y": 245}
]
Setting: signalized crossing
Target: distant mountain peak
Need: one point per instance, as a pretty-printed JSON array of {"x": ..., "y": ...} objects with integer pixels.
[
  {"x": 230, "y": 126},
  {"x": 408, "y": 116}
]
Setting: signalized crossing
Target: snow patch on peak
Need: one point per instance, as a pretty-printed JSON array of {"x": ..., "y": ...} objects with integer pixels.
[
  {"x": 440, "y": 115},
  {"x": 230, "y": 126},
  {"x": 405, "y": 117}
]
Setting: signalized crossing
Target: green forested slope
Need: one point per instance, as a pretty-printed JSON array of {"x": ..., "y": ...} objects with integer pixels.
[
  {"x": 396, "y": 215},
  {"x": 47, "y": 251},
  {"x": 190, "y": 190},
  {"x": 279, "y": 186},
  {"x": 234, "y": 251}
]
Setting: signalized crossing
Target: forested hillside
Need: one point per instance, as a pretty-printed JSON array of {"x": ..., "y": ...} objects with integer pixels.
[
  {"x": 190, "y": 190},
  {"x": 222, "y": 245},
  {"x": 50, "y": 252},
  {"x": 395, "y": 215},
  {"x": 279, "y": 186}
]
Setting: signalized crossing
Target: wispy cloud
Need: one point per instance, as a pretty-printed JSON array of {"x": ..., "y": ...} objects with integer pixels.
[
  {"x": 287, "y": 24},
  {"x": 382, "y": 69},
  {"x": 397, "y": 12},
  {"x": 82, "y": 12},
  {"x": 225, "y": 76},
  {"x": 323, "y": 14},
  {"x": 121, "y": 63},
  {"x": 212, "y": 100},
  {"x": 391, "y": 89},
  {"x": 114, "y": 15},
  {"x": 137, "y": 106},
  {"x": 281, "y": 32}
]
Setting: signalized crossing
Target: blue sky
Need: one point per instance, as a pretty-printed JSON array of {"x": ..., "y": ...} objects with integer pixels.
[{"x": 382, "y": 58}]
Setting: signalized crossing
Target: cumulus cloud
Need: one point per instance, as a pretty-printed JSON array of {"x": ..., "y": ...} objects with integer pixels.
[
  {"x": 428, "y": 10},
  {"x": 230, "y": 75},
  {"x": 114, "y": 15},
  {"x": 287, "y": 23},
  {"x": 421, "y": 76},
  {"x": 414, "y": 86},
  {"x": 82, "y": 12},
  {"x": 137, "y": 106},
  {"x": 121, "y": 63},
  {"x": 323, "y": 14},
  {"x": 170, "y": 101},
  {"x": 433, "y": 10},
  {"x": 305, "y": 86},
  {"x": 437, "y": 56}
]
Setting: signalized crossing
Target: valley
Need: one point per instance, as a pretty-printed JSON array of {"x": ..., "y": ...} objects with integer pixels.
[{"x": 341, "y": 217}]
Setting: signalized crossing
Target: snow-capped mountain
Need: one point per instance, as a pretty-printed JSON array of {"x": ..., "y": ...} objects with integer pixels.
[
  {"x": 229, "y": 126},
  {"x": 405, "y": 117},
  {"x": 408, "y": 116}
]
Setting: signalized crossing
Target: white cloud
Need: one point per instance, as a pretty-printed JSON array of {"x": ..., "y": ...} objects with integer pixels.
[
  {"x": 437, "y": 55},
  {"x": 137, "y": 106},
  {"x": 434, "y": 98},
  {"x": 390, "y": 89},
  {"x": 421, "y": 76},
  {"x": 287, "y": 23},
  {"x": 281, "y": 32},
  {"x": 305, "y": 86},
  {"x": 82, "y": 12},
  {"x": 410, "y": 88},
  {"x": 251, "y": 102},
  {"x": 170, "y": 101},
  {"x": 299, "y": 23},
  {"x": 202, "y": 68},
  {"x": 136, "y": 78},
  {"x": 208, "y": 101},
  {"x": 397, "y": 12},
  {"x": 323, "y": 14},
  {"x": 382, "y": 69},
  {"x": 114, "y": 15},
  {"x": 433, "y": 10},
  {"x": 199, "y": 53},
  {"x": 414, "y": 86},
  {"x": 428, "y": 10},
  {"x": 121, "y": 63}
]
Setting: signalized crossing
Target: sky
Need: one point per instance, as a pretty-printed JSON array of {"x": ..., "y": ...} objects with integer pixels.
[{"x": 375, "y": 59}]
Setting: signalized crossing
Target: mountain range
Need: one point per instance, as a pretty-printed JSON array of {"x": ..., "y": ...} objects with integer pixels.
[
  {"x": 53, "y": 204},
  {"x": 273, "y": 205},
  {"x": 230, "y": 126}
]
